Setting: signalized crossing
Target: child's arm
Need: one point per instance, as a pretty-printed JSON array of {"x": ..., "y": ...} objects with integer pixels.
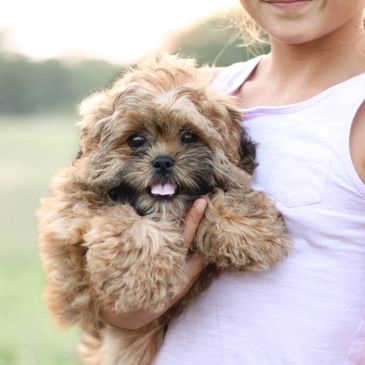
[{"x": 357, "y": 143}]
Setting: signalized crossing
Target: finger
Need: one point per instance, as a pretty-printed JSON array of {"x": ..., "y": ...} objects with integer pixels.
[{"x": 193, "y": 218}]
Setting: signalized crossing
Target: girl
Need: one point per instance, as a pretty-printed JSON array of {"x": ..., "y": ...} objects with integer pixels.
[{"x": 304, "y": 106}]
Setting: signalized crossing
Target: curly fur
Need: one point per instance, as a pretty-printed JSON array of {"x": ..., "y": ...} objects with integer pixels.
[{"x": 105, "y": 239}]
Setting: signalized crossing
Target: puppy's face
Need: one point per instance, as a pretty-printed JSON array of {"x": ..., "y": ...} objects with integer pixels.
[
  {"x": 166, "y": 160},
  {"x": 159, "y": 148}
]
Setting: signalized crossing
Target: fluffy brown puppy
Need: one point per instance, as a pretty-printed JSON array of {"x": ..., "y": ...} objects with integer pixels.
[{"x": 110, "y": 232}]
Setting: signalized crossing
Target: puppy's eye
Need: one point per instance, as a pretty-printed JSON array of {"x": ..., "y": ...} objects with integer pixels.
[
  {"x": 188, "y": 137},
  {"x": 137, "y": 140}
]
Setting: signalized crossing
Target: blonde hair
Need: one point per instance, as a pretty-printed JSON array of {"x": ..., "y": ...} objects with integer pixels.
[
  {"x": 252, "y": 37},
  {"x": 251, "y": 32}
]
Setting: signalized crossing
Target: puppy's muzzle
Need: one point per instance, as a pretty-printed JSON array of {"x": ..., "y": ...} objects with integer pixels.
[{"x": 164, "y": 185}]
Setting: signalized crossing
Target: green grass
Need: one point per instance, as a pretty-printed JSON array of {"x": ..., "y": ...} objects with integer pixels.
[{"x": 31, "y": 150}]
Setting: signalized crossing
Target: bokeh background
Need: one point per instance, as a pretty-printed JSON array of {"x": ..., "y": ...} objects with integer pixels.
[{"x": 53, "y": 54}]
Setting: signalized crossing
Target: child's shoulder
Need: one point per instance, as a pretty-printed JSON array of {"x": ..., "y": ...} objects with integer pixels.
[
  {"x": 215, "y": 71},
  {"x": 229, "y": 78}
]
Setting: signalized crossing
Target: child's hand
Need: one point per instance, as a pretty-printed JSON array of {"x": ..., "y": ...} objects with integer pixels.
[{"x": 195, "y": 263}]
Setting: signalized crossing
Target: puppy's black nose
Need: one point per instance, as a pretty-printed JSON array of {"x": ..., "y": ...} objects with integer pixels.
[{"x": 163, "y": 164}]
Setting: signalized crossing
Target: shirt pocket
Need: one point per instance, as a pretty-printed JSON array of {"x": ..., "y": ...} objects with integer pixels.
[{"x": 298, "y": 178}]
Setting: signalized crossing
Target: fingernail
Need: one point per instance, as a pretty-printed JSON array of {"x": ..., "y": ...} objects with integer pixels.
[{"x": 200, "y": 205}]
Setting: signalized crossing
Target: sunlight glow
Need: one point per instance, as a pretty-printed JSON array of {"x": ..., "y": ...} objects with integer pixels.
[{"x": 119, "y": 31}]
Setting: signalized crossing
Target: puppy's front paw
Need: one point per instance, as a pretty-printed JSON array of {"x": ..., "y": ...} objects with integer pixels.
[
  {"x": 134, "y": 264},
  {"x": 242, "y": 232}
]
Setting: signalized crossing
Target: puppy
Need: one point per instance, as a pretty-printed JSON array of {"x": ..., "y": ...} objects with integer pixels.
[{"x": 110, "y": 231}]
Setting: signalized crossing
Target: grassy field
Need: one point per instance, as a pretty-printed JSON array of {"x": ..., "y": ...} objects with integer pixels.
[{"x": 31, "y": 150}]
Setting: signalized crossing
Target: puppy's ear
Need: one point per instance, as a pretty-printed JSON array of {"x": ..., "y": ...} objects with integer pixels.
[
  {"x": 96, "y": 112},
  {"x": 239, "y": 148},
  {"x": 247, "y": 152}
]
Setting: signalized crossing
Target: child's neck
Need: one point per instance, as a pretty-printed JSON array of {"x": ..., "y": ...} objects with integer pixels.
[
  {"x": 293, "y": 73},
  {"x": 330, "y": 59}
]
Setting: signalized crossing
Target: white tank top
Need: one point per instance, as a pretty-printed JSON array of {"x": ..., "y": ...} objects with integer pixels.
[{"x": 309, "y": 309}]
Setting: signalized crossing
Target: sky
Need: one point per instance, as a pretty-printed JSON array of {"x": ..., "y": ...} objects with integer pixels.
[{"x": 118, "y": 31}]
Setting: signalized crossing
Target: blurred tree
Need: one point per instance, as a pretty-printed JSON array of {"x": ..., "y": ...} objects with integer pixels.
[
  {"x": 215, "y": 41},
  {"x": 57, "y": 86},
  {"x": 49, "y": 86}
]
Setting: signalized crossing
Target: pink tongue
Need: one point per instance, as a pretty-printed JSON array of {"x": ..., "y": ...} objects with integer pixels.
[{"x": 163, "y": 189}]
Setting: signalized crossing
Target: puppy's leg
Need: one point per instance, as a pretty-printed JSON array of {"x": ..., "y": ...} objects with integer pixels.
[
  {"x": 63, "y": 220},
  {"x": 125, "y": 347},
  {"x": 242, "y": 231},
  {"x": 134, "y": 262}
]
